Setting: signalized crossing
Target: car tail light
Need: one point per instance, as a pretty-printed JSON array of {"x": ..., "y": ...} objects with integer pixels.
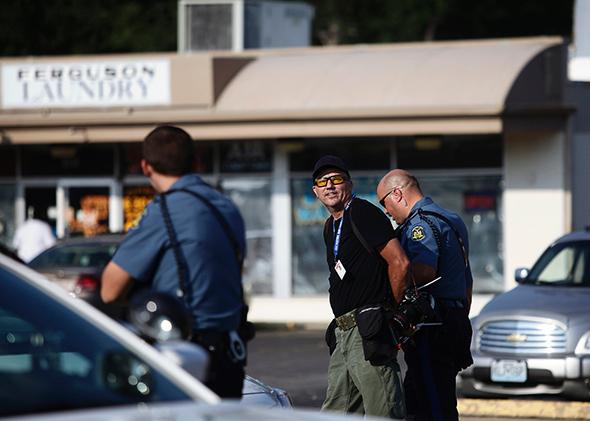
[{"x": 86, "y": 283}]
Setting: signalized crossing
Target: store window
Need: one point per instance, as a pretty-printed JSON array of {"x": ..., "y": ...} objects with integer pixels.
[
  {"x": 477, "y": 199},
  {"x": 68, "y": 159},
  {"x": 245, "y": 156},
  {"x": 442, "y": 152},
  {"x": 359, "y": 154},
  {"x": 252, "y": 196},
  {"x": 310, "y": 273},
  {"x": 7, "y": 161},
  {"x": 130, "y": 159},
  {"x": 7, "y": 218}
]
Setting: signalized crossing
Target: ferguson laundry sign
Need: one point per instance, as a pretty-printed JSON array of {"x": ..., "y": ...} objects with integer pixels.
[{"x": 86, "y": 84}]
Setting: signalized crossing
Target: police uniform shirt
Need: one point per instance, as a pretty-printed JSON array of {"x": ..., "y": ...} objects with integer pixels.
[
  {"x": 213, "y": 280},
  {"x": 366, "y": 280},
  {"x": 418, "y": 241}
]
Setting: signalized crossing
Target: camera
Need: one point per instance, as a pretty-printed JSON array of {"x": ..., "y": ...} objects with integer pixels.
[{"x": 416, "y": 307}]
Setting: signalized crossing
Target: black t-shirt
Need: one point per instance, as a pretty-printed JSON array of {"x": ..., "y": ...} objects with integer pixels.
[{"x": 366, "y": 280}]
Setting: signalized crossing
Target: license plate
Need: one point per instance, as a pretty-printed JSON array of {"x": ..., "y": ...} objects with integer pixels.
[{"x": 509, "y": 371}]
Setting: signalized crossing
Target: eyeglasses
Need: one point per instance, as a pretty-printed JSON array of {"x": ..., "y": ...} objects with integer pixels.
[
  {"x": 382, "y": 201},
  {"x": 335, "y": 179}
]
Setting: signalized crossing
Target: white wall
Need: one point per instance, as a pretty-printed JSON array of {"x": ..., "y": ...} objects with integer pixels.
[{"x": 537, "y": 199}]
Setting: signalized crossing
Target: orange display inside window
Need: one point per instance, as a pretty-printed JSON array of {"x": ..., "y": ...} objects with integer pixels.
[
  {"x": 92, "y": 216},
  {"x": 135, "y": 199}
]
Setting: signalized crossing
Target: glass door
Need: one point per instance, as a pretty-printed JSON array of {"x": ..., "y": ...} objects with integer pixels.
[{"x": 72, "y": 206}]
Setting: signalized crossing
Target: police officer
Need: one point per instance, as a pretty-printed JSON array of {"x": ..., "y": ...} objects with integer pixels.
[
  {"x": 189, "y": 242},
  {"x": 436, "y": 243}
]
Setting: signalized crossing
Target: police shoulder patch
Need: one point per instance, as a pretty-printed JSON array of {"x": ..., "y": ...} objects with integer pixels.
[{"x": 418, "y": 233}]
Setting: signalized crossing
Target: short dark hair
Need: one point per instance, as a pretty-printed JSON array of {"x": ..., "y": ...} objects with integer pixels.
[{"x": 169, "y": 149}]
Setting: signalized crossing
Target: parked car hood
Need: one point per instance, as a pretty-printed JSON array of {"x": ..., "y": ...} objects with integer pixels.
[
  {"x": 224, "y": 411},
  {"x": 559, "y": 303}
]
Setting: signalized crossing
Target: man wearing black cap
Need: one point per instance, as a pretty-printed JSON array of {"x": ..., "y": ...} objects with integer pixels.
[{"x": 367, "y": 273}]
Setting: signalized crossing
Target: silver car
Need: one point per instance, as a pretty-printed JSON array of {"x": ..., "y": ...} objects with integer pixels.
[
  {"x": 62, "y": 359},
  {"x": 76, "y": 265},
  {"x": 535, "y": 339}
]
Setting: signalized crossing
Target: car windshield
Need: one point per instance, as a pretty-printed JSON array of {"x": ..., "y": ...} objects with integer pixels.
[
  {"x": 52, "y": 359},
  {"x": 94, "y": 255},
  {"x": 563, "y": 264}
]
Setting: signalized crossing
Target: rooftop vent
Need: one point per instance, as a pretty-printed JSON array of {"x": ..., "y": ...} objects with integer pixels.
[{"x": 205, "y": 25}]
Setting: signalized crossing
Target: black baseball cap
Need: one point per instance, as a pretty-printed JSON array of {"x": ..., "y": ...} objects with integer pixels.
[{"x": 329, "y": 161}]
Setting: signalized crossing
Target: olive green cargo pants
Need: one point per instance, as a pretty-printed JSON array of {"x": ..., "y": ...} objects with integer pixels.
[{"x": 354, "y": 385}]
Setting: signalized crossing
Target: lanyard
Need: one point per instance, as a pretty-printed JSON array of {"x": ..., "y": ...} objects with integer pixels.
[{"x": 337, "y": 234}]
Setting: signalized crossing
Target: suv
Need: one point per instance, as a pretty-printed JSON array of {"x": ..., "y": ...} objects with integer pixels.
[{"x": 535, "y": 339}]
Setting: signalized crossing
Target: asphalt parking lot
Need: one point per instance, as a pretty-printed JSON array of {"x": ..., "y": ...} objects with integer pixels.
[
  {"x": 297, "y": 360},
  {"x": 294, "y": 360}
]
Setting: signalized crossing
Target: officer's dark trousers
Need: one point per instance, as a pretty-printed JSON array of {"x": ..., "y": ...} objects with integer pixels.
[
  {"x": 226, "y": 375},
  {"x": 434, "y": 357}
]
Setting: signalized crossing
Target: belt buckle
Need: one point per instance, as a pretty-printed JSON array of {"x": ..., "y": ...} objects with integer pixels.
[{"x": 346, "y": 321}]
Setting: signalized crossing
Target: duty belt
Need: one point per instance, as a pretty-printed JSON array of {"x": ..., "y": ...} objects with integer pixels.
[{"x": 346, "y": 321}]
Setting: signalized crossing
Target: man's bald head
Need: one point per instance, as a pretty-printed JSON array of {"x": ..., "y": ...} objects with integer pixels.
[
  {"x": 399, "y": 178},
  {"x": 398, "y": 191}
]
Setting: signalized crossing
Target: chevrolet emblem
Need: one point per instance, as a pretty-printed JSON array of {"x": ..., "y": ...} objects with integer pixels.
[{"x": 516, "y": 337}]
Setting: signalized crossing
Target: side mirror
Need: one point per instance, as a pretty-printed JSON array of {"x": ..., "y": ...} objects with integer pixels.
[{"x": 521, "y": 274}]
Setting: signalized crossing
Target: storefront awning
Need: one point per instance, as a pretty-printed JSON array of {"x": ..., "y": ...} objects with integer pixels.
[
  {"x": 411, "y": 80},
  {"x": 374, "y": 90}
]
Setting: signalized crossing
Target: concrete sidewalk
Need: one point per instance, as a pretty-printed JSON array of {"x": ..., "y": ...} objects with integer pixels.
[{"x": 314, "y": 310}]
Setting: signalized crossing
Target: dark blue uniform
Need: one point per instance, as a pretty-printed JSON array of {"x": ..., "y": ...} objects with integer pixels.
[
  {"x": 213, "y": 280},
  {"x": 436, "y": 354},
  {"x": 418, "y": 239}
]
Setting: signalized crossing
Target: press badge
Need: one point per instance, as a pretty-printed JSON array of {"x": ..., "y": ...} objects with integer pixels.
[{"x": 340, "y": 269}]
